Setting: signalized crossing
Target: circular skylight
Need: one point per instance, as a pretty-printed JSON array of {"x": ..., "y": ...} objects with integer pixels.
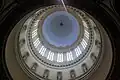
[{"x": 61, "y": 29}]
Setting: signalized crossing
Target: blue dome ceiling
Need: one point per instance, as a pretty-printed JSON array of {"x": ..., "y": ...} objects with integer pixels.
[{"x": 61, "y": 29}]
